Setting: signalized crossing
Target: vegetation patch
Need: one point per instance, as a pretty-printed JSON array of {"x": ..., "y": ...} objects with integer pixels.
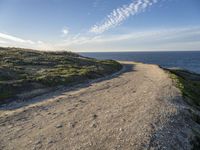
[
  {"x": 24, "y": 70},
  {"x": 189, "y": 84}
]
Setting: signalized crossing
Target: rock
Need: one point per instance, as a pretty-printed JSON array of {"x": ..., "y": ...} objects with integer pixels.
[
  {"x": 59, "y": 126},
  {"x": 94, "y": 116},
  {"x": 10, "y": 126},
  {"x": 37, "y": 142},
  {"x": 93, "y": 125},
  {"x": 81, "y": 101},
  {"x": 50, "y": 141},
  {"x": 72, "y": 124},
  {"x": 120, "y": 129},
  {"x": 124, "y": 120}
]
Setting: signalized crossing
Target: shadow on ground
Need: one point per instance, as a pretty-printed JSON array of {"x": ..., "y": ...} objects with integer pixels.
[{"x": 16, "y": 104}]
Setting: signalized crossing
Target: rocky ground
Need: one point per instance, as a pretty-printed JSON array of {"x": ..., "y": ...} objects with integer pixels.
[{"x": 138, "y": 109}]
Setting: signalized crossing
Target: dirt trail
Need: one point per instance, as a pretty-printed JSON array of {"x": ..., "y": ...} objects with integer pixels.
[{"x": 139, "y": 109}]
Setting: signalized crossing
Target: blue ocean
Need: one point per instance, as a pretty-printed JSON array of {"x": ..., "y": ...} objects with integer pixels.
[{"x": 189, "y": 60}]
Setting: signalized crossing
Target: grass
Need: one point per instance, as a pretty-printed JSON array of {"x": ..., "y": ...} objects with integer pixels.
[
  {"x": 189, "y": 84},
  {"x": 23, "y": 70}
]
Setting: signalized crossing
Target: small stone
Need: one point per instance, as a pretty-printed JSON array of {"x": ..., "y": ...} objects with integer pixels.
[
  {"x": 10, "y": 126},
  {"x": 94, "y": 125},
  {"x": 124, "y": 120},
  {"x": 59, "y": 126},
  {"x": 72, "y": 124},
  {"x": 94, "y": 116},
  {"x": 81, "y": 101},
  {"x": 37, "y": 142},
  {"x": 120, "y": 129},
  {"x": 50, "y": 141},
  {"x": 9, "y": 138}
]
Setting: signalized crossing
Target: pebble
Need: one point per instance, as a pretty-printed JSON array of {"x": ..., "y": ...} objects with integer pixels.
[
  {"x": 50, "y": 141},
  {"x": 124, "y": 120},
  {"x": 72, "y": 124},
  {"x": 94, "y": 116},
  {"x": 81, "y": 101},
  {"x": 37, "y": 142},
  {"x": 120, "y": 129},
  {"x": 59, "y": 126},
  {"x": 10, "y": 126},
  {"x": 93, "y": 125}
]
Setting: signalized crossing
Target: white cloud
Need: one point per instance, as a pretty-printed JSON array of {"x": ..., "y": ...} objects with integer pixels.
[
  {"x": 159, "y": 34},
  {"x": 120, "y": 14},
  {"x": 185, "y": 38},
  {"x": 158, "y": 39},
  {"x": 40, "y": 42},
  {"x": 14, "y": 38},
  {"x": 2, "y": 42},
  {"x": 14, "y": 41},
  {"x": 65, "y": 31}
]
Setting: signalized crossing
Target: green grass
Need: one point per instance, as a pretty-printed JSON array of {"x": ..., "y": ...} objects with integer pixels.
[
  {"x": 189, "y": 84},
  {"x": 23, "y": 70}
]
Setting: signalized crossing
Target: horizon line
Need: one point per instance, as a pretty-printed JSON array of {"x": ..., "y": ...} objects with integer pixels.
[{"x": 121, "y": 51}]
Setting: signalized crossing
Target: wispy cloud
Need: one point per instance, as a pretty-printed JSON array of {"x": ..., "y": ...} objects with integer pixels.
[
  {"x": 14, "y": 41},
  {"x": 3, "y": 42},
  {"x": 182, "y": 38},
  {"x": 117, "y": 16},
  {"x": 158, "y": 39},
  {"x": 14, "y": 38}
]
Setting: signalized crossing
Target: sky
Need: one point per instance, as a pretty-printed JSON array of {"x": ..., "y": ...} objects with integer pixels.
[{"x": 101, "y": 25}]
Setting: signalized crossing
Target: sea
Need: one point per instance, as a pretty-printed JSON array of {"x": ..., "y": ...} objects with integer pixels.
[{"x": 189, "y": 60}]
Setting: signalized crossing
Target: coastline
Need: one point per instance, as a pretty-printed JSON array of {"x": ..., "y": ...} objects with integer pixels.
[{"x": 190, "y": 60}]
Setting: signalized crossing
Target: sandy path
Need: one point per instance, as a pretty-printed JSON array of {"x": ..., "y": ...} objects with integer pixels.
[{"x": 139, "y": 109}]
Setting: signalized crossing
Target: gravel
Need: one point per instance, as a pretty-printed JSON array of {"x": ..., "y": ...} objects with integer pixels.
[{"x": 138, "y": 109}]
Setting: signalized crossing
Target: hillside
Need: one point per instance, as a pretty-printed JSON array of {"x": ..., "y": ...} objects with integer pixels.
[
  {"x": 25, "y": 73},
  {"x": 189, "y": 84}
]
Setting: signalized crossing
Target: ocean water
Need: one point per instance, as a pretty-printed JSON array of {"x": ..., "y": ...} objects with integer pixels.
[{"x": 189, "y": 60}]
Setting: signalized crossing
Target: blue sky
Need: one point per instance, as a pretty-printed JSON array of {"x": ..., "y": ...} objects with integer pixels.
[{"x": 101, "y": 25}]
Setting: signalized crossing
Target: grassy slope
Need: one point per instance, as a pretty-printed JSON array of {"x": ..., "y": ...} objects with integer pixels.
[
  {"x": 189, "y": 84},
  {"x": 27, "y": 70}
]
